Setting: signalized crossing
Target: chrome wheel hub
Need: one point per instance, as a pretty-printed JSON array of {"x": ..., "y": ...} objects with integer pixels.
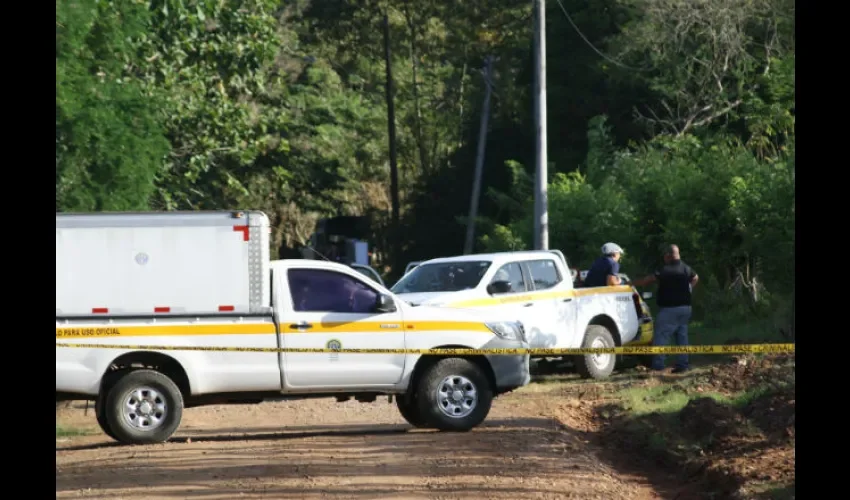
[
  {"x": 600, "y": 360},
  {"x": 457, "y": 396},
  {"x": 144, "y": 408}
]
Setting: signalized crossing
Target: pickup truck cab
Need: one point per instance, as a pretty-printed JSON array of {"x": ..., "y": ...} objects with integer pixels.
[
  {"x": 536, "y": 288},
  {"x": 142, "y": 384}
]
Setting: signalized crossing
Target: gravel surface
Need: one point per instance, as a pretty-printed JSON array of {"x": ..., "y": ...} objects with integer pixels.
[{"x": 320, "y": 448}]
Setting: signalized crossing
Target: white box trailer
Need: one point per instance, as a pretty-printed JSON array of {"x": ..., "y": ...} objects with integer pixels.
[{"x": 162, "y": 264}]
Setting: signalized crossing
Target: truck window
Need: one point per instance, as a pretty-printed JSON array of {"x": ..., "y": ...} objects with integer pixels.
[
  {"x": 544, "y": 274},
  {"x": 511, "y": 272},
  {"x": 318, "y": 290},
  {"x": 442, "y": 277}
]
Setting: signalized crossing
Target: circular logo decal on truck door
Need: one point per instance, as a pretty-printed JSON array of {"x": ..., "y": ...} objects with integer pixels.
[
  {"x": 335, "y": 345},
  {"x": 141, "y": 258}
]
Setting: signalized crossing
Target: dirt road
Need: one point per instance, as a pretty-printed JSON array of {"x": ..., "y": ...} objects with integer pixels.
[{"x": 320, "y": 448}]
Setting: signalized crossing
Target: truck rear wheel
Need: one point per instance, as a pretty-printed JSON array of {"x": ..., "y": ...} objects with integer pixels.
[
  {"x": 100, "y": 415},
  {"x": 406, "y": 404},
  {"x": 143, "y": 407},
  {"x": 454, "y": 394},
  {"x": 596, "y": 366}
]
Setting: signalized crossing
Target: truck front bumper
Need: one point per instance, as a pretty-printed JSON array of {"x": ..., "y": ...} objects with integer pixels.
[{"x": 511, "y": 371}]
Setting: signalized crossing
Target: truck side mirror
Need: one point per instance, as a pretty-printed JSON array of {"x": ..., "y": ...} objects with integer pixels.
[
  {"x": 498, "y": 287},
  {"x": 385, "y": 304}
]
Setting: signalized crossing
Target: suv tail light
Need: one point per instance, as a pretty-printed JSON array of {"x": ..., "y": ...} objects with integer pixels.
[{"x": 636, "y": 300}]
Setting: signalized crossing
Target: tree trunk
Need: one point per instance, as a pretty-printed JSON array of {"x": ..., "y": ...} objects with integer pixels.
[{"x": 417, "y": 122}]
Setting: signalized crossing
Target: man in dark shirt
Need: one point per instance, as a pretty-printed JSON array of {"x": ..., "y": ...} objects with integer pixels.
[
  {"x": 604, "y": 270},
  {"x": 675, "y": 282}
]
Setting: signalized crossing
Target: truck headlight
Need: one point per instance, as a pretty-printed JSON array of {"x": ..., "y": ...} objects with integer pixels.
[{"x": 511, "y": 330}]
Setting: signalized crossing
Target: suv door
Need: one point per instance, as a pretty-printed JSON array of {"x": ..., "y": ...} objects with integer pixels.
[
  {"x": 516, "y": 302},
  {"x": 332, "y": 309},
  {"x": 554, "y": 310}
]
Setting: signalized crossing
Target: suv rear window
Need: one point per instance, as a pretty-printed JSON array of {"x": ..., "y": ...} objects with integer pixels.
[{"x": 544, "y": 273}]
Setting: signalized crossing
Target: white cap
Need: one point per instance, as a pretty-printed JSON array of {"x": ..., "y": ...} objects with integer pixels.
[{"x": 609, "y": 248}]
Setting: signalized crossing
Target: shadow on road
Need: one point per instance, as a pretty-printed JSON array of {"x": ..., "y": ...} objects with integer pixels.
[
  {"x": 533, "y": 455},
  {"x": 259, "y": 434},
  {"x": 249, "y": 434}
]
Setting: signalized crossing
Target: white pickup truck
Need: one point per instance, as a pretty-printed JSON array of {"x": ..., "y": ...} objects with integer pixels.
[
  {"x": 536, "y": 288},
  {"x": 147, "y": 282}
]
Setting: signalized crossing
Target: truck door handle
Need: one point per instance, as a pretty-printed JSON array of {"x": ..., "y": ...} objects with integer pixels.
[
  {"x": 528, "y": 305},
  {"x": 301, "y": 326},
  {"x": 570, "y": 299}
]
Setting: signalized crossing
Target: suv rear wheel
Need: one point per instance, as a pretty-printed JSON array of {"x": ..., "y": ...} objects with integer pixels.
[{"x": 596, "y": 366}]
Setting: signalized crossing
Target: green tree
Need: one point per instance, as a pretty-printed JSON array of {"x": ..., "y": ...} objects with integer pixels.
[
  {"x": 212, "y": 64},
  {"x": 109, "y": 141}
]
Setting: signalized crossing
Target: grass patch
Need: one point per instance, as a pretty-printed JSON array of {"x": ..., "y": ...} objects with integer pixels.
[
  {"x": 744, "y": 398},
  {"x": 63, "y": 431},
  {"x": 773, "y": 491},
  {"x": 751, "y": 332},
  {"x": 668, "y": 398},
  {"x": 661, "y": 399}
]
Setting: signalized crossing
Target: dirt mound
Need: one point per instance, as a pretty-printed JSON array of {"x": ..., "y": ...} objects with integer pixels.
[
  {"x": 706, "y": 420},
  {"x": 720, "y": 449},
  {"x": 775, "y": 414},
  {"x": 747, "y": 371},
  {"x": 664, "y": 440}
]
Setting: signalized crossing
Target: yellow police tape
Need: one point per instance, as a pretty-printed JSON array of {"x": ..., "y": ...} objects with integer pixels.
[{"x": 696, "y": 349}]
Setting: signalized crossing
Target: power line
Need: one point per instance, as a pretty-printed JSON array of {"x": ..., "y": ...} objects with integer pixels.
[{"x": 589, "y": 44}]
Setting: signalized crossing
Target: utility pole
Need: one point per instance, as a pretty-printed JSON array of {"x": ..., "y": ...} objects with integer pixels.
[
  {"x": 391, "y": 125},
  {"x": 479, "y": 159},
  {"x": 541, "y": 209}
]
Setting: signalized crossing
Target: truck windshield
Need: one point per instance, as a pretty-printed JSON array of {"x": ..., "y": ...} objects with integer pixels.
[{"x": 442, "y": 277}]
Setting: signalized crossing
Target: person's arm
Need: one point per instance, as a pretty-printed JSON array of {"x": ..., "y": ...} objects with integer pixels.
[
  {"x": 646, "y": 280},
  {"x": 611, "y": 278},
  {"x": 693, "y": 276}
]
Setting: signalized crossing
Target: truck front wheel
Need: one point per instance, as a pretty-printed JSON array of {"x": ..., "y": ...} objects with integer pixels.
[
  {"x": 454, "y": 394},
  {"x": 596, "y": 366},
  {"x": 143, "y": 407},
  {"x": 100, "y": 415},
  {"x": 406, "y": 404}
]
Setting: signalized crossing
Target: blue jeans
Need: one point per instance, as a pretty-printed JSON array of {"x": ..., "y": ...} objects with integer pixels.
[{"x": 672, "y": 322}]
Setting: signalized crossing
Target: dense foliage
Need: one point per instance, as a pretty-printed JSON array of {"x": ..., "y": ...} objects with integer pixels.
[{"x": 668, "y": 121}]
